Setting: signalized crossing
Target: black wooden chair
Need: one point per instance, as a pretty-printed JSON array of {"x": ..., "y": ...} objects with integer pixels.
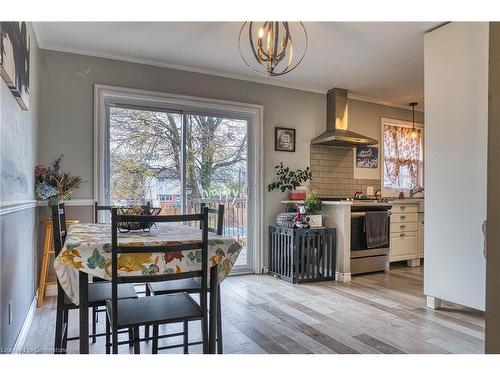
[
  {"x": 95, "y": 309},
  {"x": 98, "y": 292},
  {"x": 192, "y": 285},
  {"x": 160, "y": 309}
]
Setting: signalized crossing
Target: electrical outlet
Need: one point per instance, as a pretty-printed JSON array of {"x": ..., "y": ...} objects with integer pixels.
[
  {"x": 11, "y": 313},
  {"x": 369, "y": 190}
]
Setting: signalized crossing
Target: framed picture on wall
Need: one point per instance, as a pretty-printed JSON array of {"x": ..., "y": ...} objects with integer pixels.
[
  {"x": 366, "y": 157},
  {"x": 284, "y": 139},
  {"x": 15, "y": 60}
]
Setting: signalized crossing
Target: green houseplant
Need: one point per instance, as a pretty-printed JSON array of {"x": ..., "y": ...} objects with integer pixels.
[
  {"x": 313, "y": 209},
  {"x": 291, "y": 180}
]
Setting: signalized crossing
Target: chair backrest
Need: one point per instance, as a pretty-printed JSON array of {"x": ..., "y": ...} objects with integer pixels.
[
  {"x": 98, "y": 208},
  {"x": 116, "y": 249},
  {"x": 214, "y": 216},
  {"x": 58, "y": 226}
]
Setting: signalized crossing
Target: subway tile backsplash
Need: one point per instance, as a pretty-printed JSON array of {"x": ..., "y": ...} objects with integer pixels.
[{"x": 333, "y": 172}]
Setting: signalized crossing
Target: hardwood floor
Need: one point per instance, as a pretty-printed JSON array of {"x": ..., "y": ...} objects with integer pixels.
[{"x": 376, "y": 313}]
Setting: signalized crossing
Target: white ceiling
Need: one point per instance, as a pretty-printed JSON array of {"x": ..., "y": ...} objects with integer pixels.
[{"x": 378, "y": 60}]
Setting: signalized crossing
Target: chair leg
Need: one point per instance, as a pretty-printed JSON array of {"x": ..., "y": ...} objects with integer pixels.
[
  {"x": 204, "y": 334},
  {"x": 108, "y": 337},
  {"x": 137, "y": 347},
  {"x": 219, "y": 323},
  {"x": 131, "y": 337},
  {"x": 94, "y": 323},
  {"x": 114, "y": 340},
  {"x": 65, "y": 330},
  {"x": 154, "y": 349},
  {"x": 186, "y": 337},
  {"x": 146, "y": 327},
  {"x": 59, "y": 323}
]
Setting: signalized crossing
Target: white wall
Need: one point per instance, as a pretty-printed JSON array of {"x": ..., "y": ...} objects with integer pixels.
[{"x": 456, "y": 124}]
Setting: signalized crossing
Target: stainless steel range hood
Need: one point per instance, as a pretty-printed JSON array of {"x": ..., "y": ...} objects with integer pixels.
[{"x": 337, "y": 123}]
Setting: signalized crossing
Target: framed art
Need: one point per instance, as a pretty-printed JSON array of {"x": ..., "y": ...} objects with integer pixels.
[
  {"x": 284, "y": 139},
  {"x": 15, "y": 60},
  {"x": 366, "y": 157}
]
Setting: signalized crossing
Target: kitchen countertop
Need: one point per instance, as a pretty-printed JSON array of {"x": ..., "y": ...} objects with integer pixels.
[
  {"x": 336, "y": 203},
  {"x": 406, "y": 200}
]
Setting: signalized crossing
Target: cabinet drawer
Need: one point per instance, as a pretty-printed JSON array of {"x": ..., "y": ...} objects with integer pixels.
[
  {"x": 403, "y": 246},
  {"x": 399, "y": 208},
  {"x": 404, "y": 217},
  {"x": 404, "y": 227}
]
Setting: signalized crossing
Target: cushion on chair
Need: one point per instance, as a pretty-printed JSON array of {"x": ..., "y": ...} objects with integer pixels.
[
  {"x": 174, "y": 286},
  {"x": 161, "y": 309}
]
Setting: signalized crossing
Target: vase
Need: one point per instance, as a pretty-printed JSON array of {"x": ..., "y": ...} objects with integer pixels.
[
  {"x": 297, "y": 194},
  {"x": 285, "y": 219},
  {"x": 316, "y": 221},
  {"x": 50, "y": 202}
]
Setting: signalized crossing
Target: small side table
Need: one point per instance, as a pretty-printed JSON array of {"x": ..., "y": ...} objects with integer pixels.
[{"x": 48, "y": 250}]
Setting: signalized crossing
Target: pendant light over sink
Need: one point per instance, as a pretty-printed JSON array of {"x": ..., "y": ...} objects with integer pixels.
[
  {"x": 414, "y": 133},
  {"x": 272, "y": 48}
]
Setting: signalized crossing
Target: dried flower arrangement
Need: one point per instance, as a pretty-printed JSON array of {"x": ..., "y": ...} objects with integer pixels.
[{"x": 53, "y": 185}]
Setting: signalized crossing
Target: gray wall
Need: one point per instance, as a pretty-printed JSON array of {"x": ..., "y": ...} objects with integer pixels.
[
  {"x": 66, "y": 111},
  {"x": 493, "y": 262},
  {"x": 18, "y": 257}
]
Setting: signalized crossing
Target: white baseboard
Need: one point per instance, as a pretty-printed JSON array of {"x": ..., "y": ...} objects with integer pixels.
[{"x": 23, "y": 333}]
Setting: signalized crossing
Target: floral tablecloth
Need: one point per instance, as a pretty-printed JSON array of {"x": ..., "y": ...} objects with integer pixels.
[{"x": 88, "y": 249}]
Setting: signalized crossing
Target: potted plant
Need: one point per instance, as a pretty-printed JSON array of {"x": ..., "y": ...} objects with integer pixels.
[
  {"x": 313, "y": 209},
  {"x": 292, "y": 181}
]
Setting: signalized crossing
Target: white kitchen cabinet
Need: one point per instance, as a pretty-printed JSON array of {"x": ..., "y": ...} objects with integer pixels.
[
  {"x": 406, "y": 242},
  {"x": 403, "y": 246}
]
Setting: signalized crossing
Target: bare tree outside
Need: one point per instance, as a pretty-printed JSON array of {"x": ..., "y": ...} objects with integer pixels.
[{"x": 146, "y": 162}]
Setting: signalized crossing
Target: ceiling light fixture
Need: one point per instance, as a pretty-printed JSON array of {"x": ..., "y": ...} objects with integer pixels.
[
  {"x": 270, "y": 49},
  {"x": 414, "y": 133}
]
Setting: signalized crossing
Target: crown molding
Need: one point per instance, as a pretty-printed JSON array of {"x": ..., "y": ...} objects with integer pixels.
[
  {"x": 387, "y": 103},
  {"x": 43, "y": 44}
]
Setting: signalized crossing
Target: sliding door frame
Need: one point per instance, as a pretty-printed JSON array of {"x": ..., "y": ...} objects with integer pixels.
[{"x": 106, "y": 95}]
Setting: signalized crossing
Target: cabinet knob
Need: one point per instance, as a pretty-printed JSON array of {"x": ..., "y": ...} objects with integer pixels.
[
  {"x": 403, "y": 207},
  {"x": 402, "y": 216},
  {"x": 402, "y": 226},
  {"x": 401, "y": 235}
]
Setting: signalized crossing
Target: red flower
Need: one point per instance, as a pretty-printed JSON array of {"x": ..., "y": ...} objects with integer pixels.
[{"x": 40, "y": 171}]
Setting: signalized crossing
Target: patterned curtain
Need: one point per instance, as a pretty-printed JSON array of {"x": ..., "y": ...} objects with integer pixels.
[{"x": 403, "y": 159}]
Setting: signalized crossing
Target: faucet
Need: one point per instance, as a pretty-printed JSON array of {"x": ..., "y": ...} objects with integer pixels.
[{"x": 415, "y": 190}]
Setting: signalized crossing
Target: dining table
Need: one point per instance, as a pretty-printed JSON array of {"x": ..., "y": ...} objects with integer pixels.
[{"x": 87, "y": 252}]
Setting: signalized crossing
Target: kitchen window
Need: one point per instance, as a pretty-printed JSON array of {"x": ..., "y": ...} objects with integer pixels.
[{"x": 402, "y": 163}]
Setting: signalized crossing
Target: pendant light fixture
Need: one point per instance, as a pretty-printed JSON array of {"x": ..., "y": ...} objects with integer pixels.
[
  {"x": 414, "y": 133},
  {"x": 269, "y": 48}
]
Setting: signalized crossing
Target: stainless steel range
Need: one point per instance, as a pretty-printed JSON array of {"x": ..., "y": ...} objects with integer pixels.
[{"x": 365, "y": 256}]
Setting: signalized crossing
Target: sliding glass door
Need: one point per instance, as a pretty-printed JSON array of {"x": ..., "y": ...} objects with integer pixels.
[{"x": 177, "y": 160}]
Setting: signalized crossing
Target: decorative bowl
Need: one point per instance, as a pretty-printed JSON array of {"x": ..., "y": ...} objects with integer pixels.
[{"x": 125, "y": 226}]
